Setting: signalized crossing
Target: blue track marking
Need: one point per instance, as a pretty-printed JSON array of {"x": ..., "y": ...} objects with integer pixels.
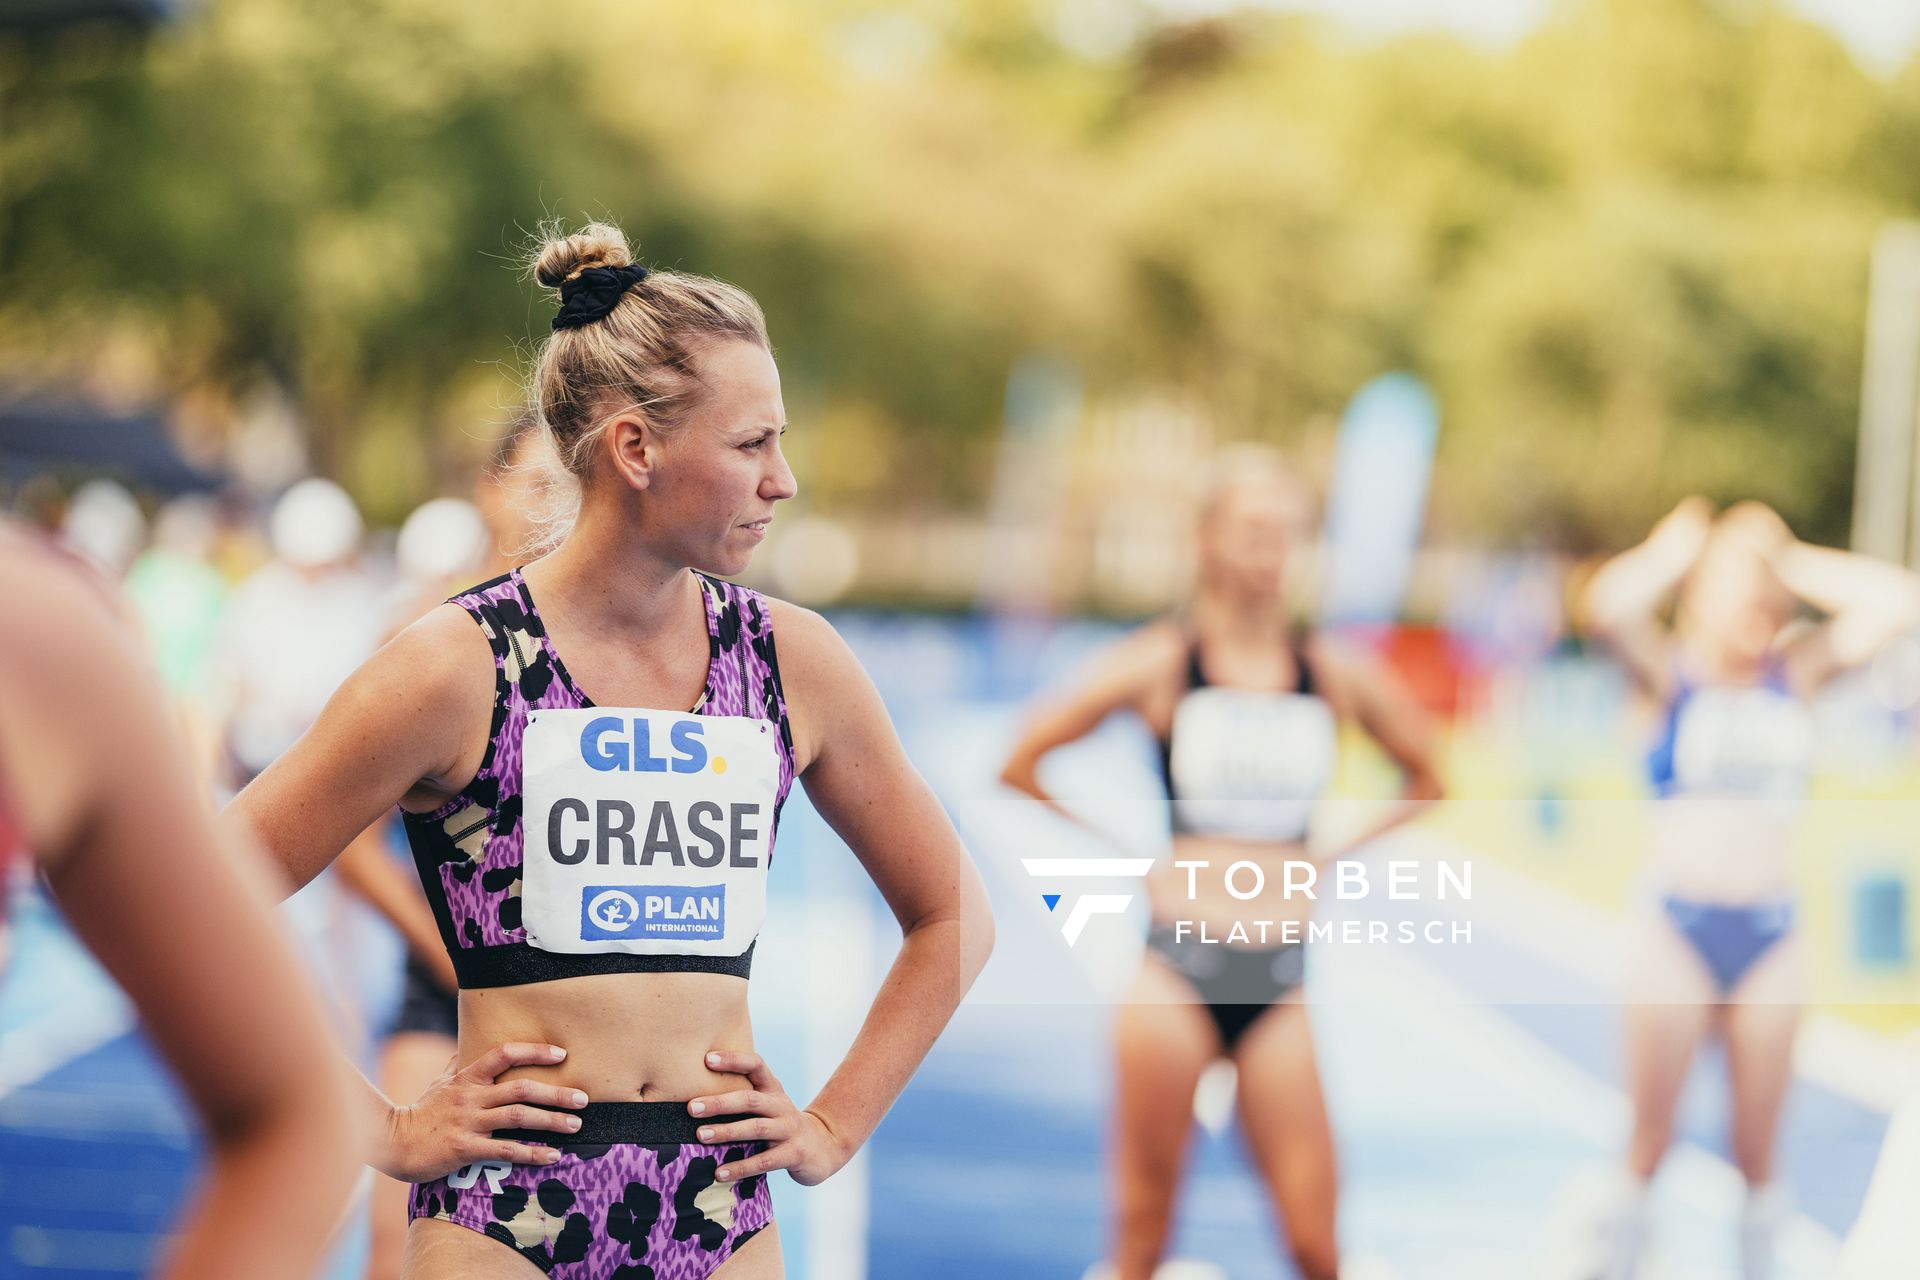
[
  {"x": 97, "y": 1160},
  {"x": 98, "y": 1151}
]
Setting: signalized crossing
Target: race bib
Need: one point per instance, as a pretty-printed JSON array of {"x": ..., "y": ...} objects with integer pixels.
[
  {"x": 1250, "y": 765},
  {"x": 646, "y": 832},
  {"x": 1749, "y": 740}
]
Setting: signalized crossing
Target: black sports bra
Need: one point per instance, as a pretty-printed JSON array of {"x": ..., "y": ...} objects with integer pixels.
[{"x": 473, "y": 853}]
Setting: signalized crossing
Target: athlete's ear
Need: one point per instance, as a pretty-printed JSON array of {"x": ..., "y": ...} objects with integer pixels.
[{"x": 632, "y": 449}]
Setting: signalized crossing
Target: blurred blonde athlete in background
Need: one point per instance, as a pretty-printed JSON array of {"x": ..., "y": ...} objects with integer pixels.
[
  {"x": 1715, "y": 950},
  {"x": 1246, "y": 710},
  {"x": 94, "y": 787}
]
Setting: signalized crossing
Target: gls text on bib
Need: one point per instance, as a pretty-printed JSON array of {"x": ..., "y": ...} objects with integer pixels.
[{"x": 646, "y": 832}]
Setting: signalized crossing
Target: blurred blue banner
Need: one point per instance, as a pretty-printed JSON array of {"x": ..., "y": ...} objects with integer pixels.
[{"x": 1377, "y": 499}]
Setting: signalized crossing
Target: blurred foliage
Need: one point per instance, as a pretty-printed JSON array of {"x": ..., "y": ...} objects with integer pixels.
[{"x": 1629, "y": 252}]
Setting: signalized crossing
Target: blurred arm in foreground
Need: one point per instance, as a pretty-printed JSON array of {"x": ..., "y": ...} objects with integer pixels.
[{"x": 106, "y": 800}]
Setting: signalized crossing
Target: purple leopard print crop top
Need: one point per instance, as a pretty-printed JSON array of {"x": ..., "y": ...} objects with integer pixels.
[{"x": 469, "y": 851}]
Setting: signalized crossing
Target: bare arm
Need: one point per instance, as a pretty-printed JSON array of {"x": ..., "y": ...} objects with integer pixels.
[
  {"x": 411, "y": 722},
  {"x": 170, "y": 911},
  {"x": 1119, "y": 679},
  {"x": 1868, "y": 603},
  {"x": 1376, "y": 699},
  {"x": 406, "y": 721},
  {"x": 860, "y": 779},
  {"x": 1624, "y": 597},
  {"x": 366, "y": 870}
]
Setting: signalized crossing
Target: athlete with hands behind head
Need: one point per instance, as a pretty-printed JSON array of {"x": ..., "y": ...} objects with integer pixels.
[{"x": 1714, "y": 950}]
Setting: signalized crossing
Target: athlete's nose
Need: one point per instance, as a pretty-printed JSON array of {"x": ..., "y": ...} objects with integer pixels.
[{"x": 779, "y": 483}]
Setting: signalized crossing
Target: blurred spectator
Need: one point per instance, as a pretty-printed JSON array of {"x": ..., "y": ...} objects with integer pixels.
[
  {"x": 104, "y": 526},
  {"x": 296, "y": 627},
  {"x": 178, "y": 593}
]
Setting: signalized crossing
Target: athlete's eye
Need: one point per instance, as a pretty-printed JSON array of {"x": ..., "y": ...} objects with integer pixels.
[{"x": 757, "y": 441}]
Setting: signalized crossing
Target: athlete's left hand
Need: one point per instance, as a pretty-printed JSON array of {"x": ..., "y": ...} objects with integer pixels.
[{"x": 798, "y": 1141}]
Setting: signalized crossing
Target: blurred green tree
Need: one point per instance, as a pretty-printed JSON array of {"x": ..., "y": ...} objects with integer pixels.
[{"x": 1629, "y": 252}]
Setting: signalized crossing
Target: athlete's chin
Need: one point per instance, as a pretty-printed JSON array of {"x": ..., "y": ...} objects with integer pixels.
[{"x": 726, "y": 562}]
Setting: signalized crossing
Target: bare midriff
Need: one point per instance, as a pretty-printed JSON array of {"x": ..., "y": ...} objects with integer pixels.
[
  {"x": 1212, "y": 902},
  {"x": 1722, "y": 848},
  {"x": 629, "y": 1037}
]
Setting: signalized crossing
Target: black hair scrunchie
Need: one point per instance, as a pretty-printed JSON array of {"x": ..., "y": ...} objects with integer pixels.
[{"x": 594, "y": 293}]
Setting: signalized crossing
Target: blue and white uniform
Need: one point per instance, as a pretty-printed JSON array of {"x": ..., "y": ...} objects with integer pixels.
[{"x": 1754, "y": 745}]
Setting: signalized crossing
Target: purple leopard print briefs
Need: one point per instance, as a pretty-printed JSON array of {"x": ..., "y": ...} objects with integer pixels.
[{"x": 611, "y": 1210}]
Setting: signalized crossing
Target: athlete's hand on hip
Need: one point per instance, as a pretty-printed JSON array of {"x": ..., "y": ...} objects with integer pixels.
[
  {"x": 452, "y": 1124},
  {"x": 798, "y": 1141}
]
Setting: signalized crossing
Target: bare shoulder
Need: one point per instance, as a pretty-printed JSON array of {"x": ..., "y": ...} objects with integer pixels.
[
  {"x": 441, "y": 662},
  {"x": 67, "y": 638},
  {"x": 57, "y": 620},
  {"x": 74, "y": 691},
  {"x": 828, "y": 694},
  {"x": 1147, "y": 653},
  {"x": 1330, "y": 657},
  {"x": 1133, "y": 671},
  {"x": 806, "y": 642},
  {"x": 426, "y": 695},
  {"x": 818, "y": 669},
  {"x": 1348, "y": 677},
  {"x": 445, "y": 635}
]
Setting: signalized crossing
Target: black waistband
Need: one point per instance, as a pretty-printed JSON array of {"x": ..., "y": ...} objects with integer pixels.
[
  {"x": 605, "y": 1123},
  {"x": 514, "y": 964}
]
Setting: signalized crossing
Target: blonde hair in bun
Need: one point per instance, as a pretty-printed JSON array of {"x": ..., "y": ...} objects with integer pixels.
[{"x": 640, "y": 357}]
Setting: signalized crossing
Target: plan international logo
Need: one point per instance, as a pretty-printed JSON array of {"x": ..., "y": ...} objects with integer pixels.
[
  {"x": 609, "y": 911},
  {"x": 1087, "y": 906}
]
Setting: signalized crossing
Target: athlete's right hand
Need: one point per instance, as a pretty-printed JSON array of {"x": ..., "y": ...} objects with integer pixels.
[{"x": 452, "y": 1124}]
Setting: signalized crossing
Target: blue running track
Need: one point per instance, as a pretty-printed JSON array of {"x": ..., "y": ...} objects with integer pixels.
[{"x": 1464, "y": 1127}]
